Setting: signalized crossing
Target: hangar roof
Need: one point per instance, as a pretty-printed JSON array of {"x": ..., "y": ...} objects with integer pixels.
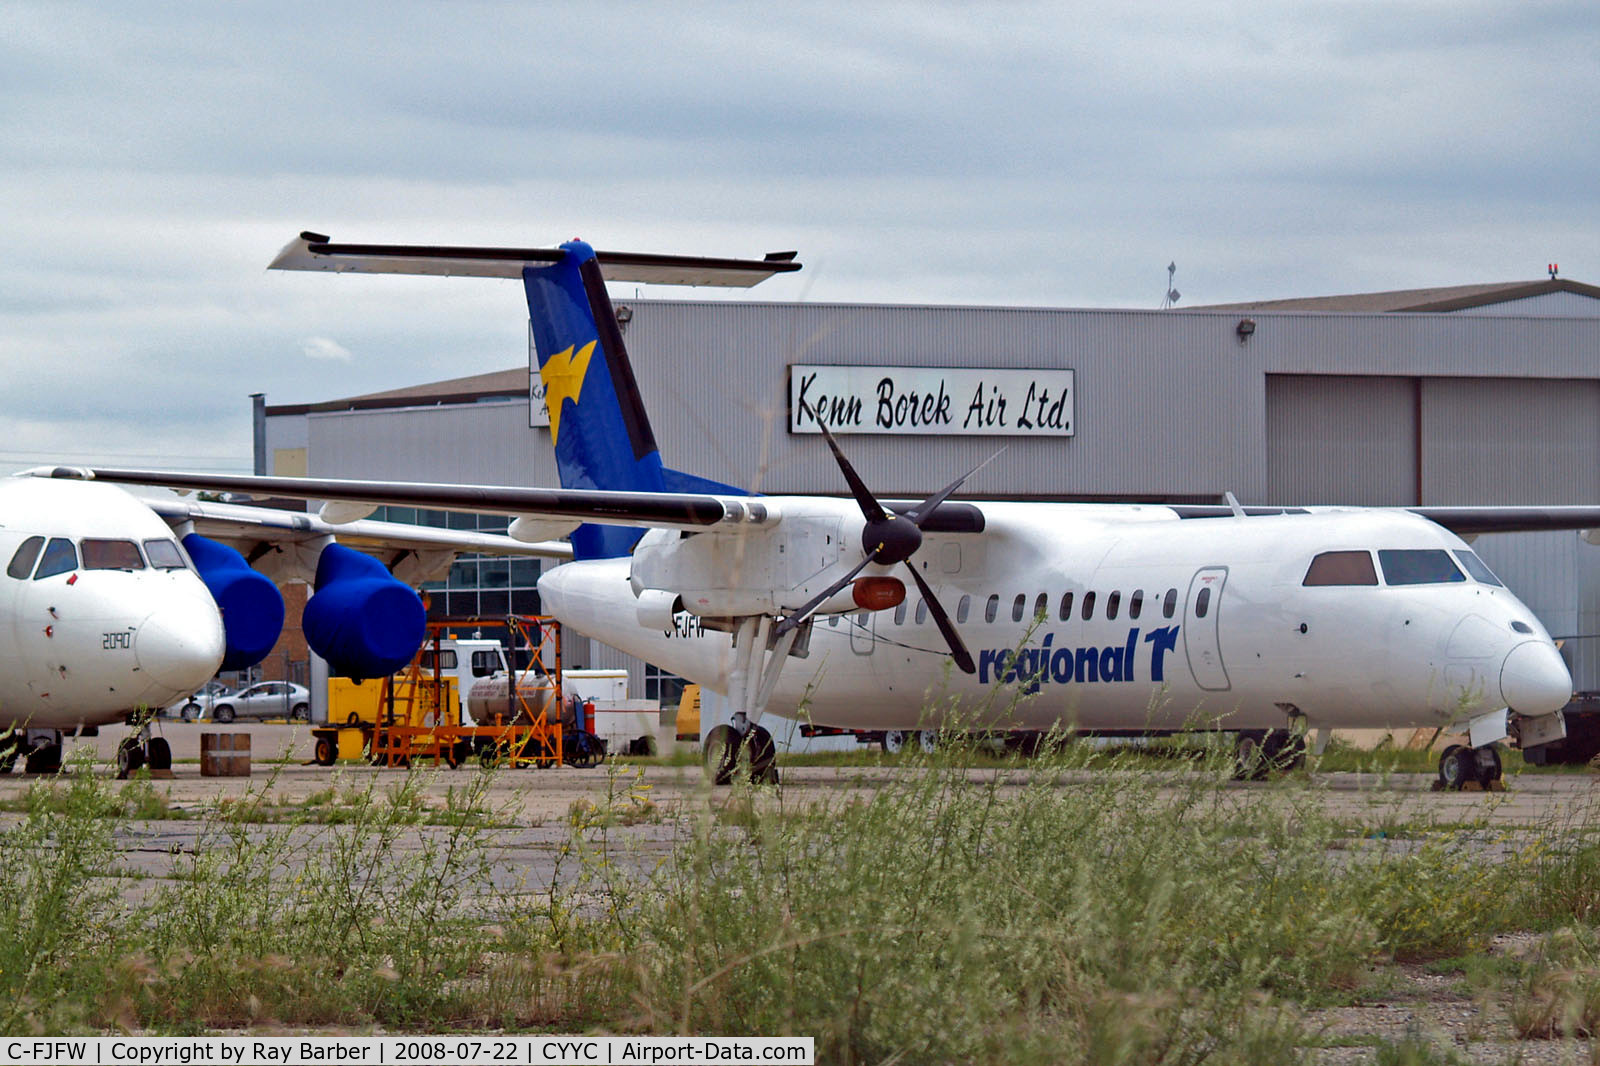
[
  {"x": 1445, "y": 298},
  {"x": 499, "y": 384}
]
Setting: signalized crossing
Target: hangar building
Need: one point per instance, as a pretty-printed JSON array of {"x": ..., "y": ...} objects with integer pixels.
[{"x": 1483, "y": 394}]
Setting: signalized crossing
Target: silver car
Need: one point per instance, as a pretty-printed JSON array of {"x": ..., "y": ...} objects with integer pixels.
[
  {"x": 193, "y": 708},
  {"x": 264, "y": 699}
]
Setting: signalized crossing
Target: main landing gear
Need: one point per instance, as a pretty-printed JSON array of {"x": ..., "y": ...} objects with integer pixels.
[
  {"x": 1463, "y": 767},
  {"x": 1259, "y": 753},
  {"x": 758, "y": 658}
]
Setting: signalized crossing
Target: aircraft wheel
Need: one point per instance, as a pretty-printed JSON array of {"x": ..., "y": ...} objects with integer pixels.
[
  {"x": 130, "y": 756},
  {"x": 1486, "y": 766},
  {"x": 223, "y": 714},
  {"x": 45, "y": 759},
  {"x": 158, "y": 753},
  {"x": 929, "y": 740},
  {"x": 1456, "y": 767},
  {"x": 720, "y": 753},
  {"x": 763, "y": 754},
  {"x": 893, "y": 742},
  {"x": 1250, "y": 756}
]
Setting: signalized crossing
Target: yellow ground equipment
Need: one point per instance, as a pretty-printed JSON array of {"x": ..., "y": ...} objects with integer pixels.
[{"x": 511, "y": 714}]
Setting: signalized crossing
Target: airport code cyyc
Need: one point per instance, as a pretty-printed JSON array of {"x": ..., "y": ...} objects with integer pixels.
[{"x": 410, "y": 1051}]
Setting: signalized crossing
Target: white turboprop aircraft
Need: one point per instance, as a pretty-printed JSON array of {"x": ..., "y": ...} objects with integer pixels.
[
  {"x": 1264, "y": 621},
  {"x": 110, "y": 603}
]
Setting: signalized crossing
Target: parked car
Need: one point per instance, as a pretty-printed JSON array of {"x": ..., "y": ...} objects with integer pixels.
[
  {"x": 264, "y": 699},
  {"x": 192, "y": 708}
]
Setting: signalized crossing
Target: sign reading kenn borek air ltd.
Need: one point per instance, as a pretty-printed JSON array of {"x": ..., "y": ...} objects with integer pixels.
[{"x": 931, "y": 400}]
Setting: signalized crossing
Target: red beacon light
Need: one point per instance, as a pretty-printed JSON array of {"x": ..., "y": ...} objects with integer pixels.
[{"x": 878, "y": 593}]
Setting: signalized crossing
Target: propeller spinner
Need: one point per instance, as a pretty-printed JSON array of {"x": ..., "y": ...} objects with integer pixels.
[{"x": 887, "y": 539}]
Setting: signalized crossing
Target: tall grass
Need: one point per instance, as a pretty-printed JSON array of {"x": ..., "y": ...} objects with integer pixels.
[{"x": 1036, "y": 913}]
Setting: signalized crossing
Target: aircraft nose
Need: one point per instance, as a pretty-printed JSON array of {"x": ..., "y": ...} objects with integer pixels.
[
  {"x": 180, "y": 645},
  {"x": 1534, "y": 680}
]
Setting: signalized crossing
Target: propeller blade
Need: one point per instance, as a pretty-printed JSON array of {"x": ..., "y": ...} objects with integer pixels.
[
  {"x": 809, "y": 607},
  {"x": 957, "y": 649},
  {"x": 919, "y": 514},
  {"x": 870, "y": 508}
]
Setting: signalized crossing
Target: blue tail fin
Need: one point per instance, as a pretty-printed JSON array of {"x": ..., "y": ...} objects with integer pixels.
[{"x": 598, "y": 424}]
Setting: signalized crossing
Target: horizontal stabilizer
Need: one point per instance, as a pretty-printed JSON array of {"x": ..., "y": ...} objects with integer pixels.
[{"x": 313, "y": 251}]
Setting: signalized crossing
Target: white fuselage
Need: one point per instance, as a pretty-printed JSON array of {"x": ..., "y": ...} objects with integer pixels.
[
  {"x": 1212, "y": 624},
  {"x": 85, "y": 641}
]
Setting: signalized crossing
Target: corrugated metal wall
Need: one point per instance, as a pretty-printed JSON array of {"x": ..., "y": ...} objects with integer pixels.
[{"x": 1341, "y": 439}]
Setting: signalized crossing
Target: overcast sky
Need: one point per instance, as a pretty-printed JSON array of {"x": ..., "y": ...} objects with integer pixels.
[{"x": 155, "y": 157}]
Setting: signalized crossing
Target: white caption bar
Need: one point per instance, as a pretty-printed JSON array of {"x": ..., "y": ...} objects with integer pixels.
[{"x": 406, "y": 1051}]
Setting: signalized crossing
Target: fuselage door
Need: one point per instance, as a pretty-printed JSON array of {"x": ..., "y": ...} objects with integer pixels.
[
  {"x": 1201, "y": 643},
  {"x": 861, "y": 635}
]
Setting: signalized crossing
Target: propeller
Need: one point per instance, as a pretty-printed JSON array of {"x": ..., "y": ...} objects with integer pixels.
[{"x": 887, "y": 539}]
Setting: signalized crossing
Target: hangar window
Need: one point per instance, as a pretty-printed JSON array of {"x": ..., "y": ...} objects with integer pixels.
[
  {"x": 1202, "y": 602},
  {"x": 922, "y": 612},
  {"x": 1088, "y": 606},
  {"x": 900, "y": 613},
  {"x": 991, "y": 608},
  {"x": 22, "y": 562},
  {"x": 1019, "y": 605},
  {"x": 1342, "y": 568},
  {"x": 1418, "y": 566},
  {"x": 164, "y": 555},
  {"x": 59, "y": 557},
  {"x": 1041, "y": 607},
  {"x": 1113, "y": 604},
  {"x": 963, "y": 608},
  {"x": 1170, "y": 603},
  {"x": 112, "y": 555},
  {"x": 1066, "y": 607},
  {"x": 1136, "y": 603},
  {"x": 1477, "y": 568}
]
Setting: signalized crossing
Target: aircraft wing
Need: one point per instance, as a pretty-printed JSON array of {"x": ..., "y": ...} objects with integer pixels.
[
  {"x": 691, "y": 512},
  {"x": 1463, "y": 521}
]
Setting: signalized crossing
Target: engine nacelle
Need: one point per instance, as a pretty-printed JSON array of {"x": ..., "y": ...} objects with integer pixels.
[
  {"x": 656, "y": 609},
  {"x": 251, "y": 605},
  {"x": 360, "y": 619}
]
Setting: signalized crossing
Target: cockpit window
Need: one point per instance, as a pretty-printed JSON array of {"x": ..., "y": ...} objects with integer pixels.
[
  {"x": 112, "y": 555},
  {"x": 1342, "y": 568},
  {"x": 1418, "y": 566},
  {"x": 59, "y": 557},
  {"x": 1478, "y": 568},
  {"x": 164, "y": 555},
  {"x": 22, "y": 562}
]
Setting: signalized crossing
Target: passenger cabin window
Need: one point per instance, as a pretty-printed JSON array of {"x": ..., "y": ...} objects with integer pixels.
[
  {"x": 1341, "y": 568},
  {"x": 112, "y": 555},
  {"x": 1418, "y": 566},
  {"x": 992, "y": 608},
  {"x": 1202, "y": 602},
  {"x": 164, "y": 555},
  {"x": 1477, "y": 568},
  {"x": 1019, "y": 605},
  {"x": 922, "y": 611},
  {"x": 963, "y": 608},
  {"x": 900, "y": 613},
  {"x": 1170, "y": 603},
  {"x": 22, "y": 562},
  {"x": 1136, "y": 603},
  {"x": 59, "y": 557},
  {"x": 1041, "y": 607},
  {"x": 1088, "y": 606},
  {"x": 1113, "y": 604},
  {"x": 1066, "y": 607}
]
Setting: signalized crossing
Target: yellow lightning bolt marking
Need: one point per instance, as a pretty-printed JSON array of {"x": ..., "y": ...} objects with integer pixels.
[{"x": 562, "y": 375}]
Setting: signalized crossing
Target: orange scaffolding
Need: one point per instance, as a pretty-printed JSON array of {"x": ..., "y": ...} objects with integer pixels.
[{"x": 422, "y": 717}]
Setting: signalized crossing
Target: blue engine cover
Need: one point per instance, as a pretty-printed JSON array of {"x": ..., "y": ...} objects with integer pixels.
[
  {"x": 251, "y": 605},
  {"x": 360, "y": 619}
]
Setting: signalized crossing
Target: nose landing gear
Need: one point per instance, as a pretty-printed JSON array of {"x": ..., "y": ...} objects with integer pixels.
[{"x": 1461, "y": 767}]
